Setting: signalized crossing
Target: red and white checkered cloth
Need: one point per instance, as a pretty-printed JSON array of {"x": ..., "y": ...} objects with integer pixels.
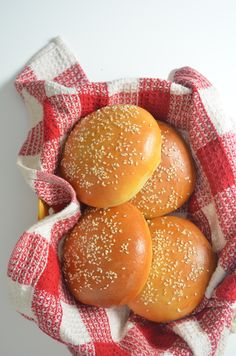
[{"x": 57, "y": 94}]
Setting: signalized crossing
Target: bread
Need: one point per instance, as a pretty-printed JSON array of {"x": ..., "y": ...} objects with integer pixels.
[
  {"x": 43, "y": 209},
  {"x": 110, "y": 154},
  {"x": 172, "y": 182},
  {"x": 182, "y": 265},
  {"x": 107, "y": 256}
]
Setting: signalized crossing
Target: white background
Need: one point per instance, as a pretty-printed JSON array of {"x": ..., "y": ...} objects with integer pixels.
[{"x": 112, "y": 39}]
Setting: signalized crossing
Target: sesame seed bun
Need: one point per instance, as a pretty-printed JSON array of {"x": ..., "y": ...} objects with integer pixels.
[
  {"x": 182, "y": 265},
  {"x": 173, "y": 181},
  {"x": 110, "y": 154},
  {"x": 107, "y": 256}
]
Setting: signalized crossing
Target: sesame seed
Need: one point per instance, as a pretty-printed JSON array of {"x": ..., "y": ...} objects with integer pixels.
[
  {"x": 171, "y": 275},
  {"x": 106, "y": 150}
]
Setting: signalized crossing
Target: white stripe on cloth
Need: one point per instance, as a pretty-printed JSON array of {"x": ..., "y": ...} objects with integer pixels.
[
  {"x": 52, "y": 60},
  {"x": 127, "y": 85},
  {"x": 28, "y": 173},
  {"x": 216, "y": 278},
  {"x": 218, "y": 240},
  {"x": 177, "y": 89},
  {"x": 195, "y": 337},
  {"x": 54, "y": 88},
  {"x": 118, "y": 317},
  {"x": 212, "y": 104},
  {"x": 43, "y": 227},
  {"x": 222, "y": 343},
  {"x": 72, "y": 328},
  {"x": 29, "y": 161},
  {"x": 21, "y": 297}
]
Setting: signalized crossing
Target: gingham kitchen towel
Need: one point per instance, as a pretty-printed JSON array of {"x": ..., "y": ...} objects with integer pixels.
[{"x": 57, "y": 94}]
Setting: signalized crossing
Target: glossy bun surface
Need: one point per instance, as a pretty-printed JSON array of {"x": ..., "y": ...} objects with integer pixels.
[
  {"x": 182, "y": 265},
  {"x": 107, "y": 256},
  {"x": 110, "y": 154},
  {"x": 173, "y": 181}
]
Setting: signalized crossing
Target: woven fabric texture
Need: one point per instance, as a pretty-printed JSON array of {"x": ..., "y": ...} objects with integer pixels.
[{"x": 57, "y": 94}]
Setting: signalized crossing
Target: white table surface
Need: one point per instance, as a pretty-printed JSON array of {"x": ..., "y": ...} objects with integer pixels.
[{"x": 112, "y": 39}]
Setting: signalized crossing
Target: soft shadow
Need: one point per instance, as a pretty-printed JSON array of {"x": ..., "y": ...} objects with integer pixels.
[
  {"x": 18, "y": 202},
  {"x": 18, "y": 212}
]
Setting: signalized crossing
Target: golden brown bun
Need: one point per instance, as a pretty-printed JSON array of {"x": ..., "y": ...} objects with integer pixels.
[
  {"x": 172, "y": 182},
  {"x": 110, "y": 154},
  {"x": 43, "y": 209},
  {"x": 107, "y": 256},
  {"x": 182, "y": 265}
]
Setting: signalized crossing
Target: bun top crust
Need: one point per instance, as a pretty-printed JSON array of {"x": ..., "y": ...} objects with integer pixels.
[
  {"x": 173, "y": 181},
  {"x": 182, "y": 265},
  {"x": 110, "y": 154},
  {"x": 107, "y": 256}
]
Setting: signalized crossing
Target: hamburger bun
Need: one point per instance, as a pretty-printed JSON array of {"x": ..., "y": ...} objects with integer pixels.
[
  {"x": 110, "y": 154},
  {"x": 107, "y": 256},
  {"x": 182, "y": 265},
  {"x": 173, "y": 181}
]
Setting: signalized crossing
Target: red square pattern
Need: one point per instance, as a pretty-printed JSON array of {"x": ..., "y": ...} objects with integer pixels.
[
  {"x": 65, "y": 110},
  {"x": 48, "y": 311},
  {"x": 180, "y": 111},
  {"x": 37, "y": 89},
  {"x": 226, "y": 210},
  {"x": 227, "y": 256},
  {"x": 218, "y": 171},
  {"x": 191, "y": 78},
  {"x": 71, "y": 77},
  {"x": 229, "y": 143},
  {"x": 23, "y": 78},
  {"x": 49, "y": 279},
  {"x": 84, "y": 349},
  {"x": 201, "y": 129},
  {"x": 93, "y": 97},
  {"x": 154, "y": 96},
  {"x": 123, "y": 98},
  {"x": 33, "y": 144},
  {"x": 28, "y": 259}
]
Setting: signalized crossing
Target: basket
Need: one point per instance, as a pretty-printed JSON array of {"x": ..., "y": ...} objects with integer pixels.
[{"x": 57, "y": 94}]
